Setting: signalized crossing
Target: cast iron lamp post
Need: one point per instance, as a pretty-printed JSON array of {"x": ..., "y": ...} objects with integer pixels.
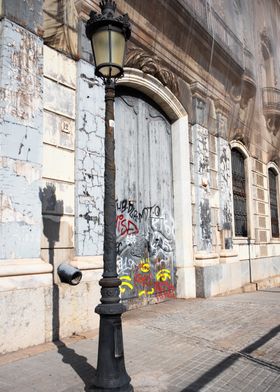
[{"x": 108, "y": 35}]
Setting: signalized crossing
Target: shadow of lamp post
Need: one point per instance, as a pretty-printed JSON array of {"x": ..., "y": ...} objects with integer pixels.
[{"x": 108, "y": 35}]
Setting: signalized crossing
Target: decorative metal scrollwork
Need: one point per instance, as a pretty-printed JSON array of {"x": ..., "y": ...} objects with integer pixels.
[{"x": 239, "y": 193}]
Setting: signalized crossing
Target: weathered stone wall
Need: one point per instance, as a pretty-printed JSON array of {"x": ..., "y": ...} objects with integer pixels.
[
  {"x": 89, "y": 162},
  {"x": 25, "y": 280},
  {"x": 57, "y": 191},
  {"x": 21, "y": 141},
  {"x": 220, "y": 59}
]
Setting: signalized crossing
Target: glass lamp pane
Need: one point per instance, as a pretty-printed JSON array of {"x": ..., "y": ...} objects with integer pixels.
[
  {"x": 105, "y": 71},
  {"x": 118, "y": 48},
  {"x": 100, "y": 43}
]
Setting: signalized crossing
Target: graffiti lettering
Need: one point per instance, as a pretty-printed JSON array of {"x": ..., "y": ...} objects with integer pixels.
[
  {"x": 128, "y": 207},
  {"x": 125, "y": 226},
  {"x": 125, "y": 264},
  {"x": 145, "y": 247},
  {"x": 146, "y": 283}
]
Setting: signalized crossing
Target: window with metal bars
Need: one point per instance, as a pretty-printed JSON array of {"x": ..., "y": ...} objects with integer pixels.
[
  {"x": 239, "y": 193},
  {"x": 273, "y": 203}
]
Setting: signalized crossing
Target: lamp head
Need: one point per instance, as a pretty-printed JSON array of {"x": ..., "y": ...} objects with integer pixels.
[{"x": 108, "y": 35}]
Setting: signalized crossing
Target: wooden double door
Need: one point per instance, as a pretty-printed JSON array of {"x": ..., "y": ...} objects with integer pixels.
[{"x": 144, "y": 205}]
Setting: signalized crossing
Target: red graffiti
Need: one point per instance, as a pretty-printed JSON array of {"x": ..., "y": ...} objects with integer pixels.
[
  {"x": 143, "y": 280},
  {"x": 164, "y": 290},
  {"x": 126, "y": 226},
  {"x": 163, "y": 296}
]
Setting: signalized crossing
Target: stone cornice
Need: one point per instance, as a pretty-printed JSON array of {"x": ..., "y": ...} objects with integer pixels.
[
  {"x": 24, "y": 267},
  {"x": 85, "y": 6}
]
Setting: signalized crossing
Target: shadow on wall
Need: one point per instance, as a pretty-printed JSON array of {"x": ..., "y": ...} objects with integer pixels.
[{"x": 52, "y": 211}]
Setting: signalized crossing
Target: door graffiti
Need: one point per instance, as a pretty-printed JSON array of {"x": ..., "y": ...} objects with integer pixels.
[{"x": 144, "y": 224}]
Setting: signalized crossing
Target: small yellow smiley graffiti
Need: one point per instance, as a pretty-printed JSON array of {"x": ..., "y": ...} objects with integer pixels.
[
  {"x": 145, "y": 266},
  {"x": 163, "y": 275}
]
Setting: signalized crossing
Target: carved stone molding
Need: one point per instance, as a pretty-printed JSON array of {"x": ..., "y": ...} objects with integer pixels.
[
  {"x": 203, "y": 107},
  {"x": 245, "y": 91},
  {"x": 271, "y": 108},
  {"x": 240, "y": 136},
  {"x": 84, "y": 7},
  {"x": 266, "y": 45},
  {"x": 151, "y": 64},
  {"x": 274, "y": 158},
  {"x": 223, "y": 107}
]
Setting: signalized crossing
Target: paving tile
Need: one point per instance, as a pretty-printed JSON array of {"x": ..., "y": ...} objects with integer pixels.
[{"x": 177, "y": 346}]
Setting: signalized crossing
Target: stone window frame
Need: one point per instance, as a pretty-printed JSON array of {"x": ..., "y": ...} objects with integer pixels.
[
  {"x": 272, "y": 166},
  {"x": 249, "y": 193}
]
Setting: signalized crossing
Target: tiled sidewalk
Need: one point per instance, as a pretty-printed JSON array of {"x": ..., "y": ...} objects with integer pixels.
[{"x": 218, "y": 344}]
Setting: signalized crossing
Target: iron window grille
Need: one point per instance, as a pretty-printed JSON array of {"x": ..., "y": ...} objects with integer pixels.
[
  {"x": 239, "y": 193},
  {"x": 273, "y": 203}
]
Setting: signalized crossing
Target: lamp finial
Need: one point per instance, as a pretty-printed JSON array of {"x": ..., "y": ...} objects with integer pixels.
[{"x": 108, "y": 8}]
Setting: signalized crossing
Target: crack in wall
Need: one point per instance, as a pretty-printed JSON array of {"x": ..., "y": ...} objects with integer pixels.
[{"x": 89, "y": 164}]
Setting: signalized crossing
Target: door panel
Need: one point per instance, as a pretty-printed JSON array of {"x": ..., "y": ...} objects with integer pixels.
[{"x": 144, "y": 191}]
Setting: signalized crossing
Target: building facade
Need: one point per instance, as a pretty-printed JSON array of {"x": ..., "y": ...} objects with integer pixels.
[{"x": 197, "y": 120}]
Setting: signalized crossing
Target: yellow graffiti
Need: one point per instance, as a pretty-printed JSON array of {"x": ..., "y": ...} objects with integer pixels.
[
  {"x": 163, "y": 275},
  {"x": 122, "y": 288},
  {"x": 145, "y": 265},
  {"x": 149, "y": 292}
]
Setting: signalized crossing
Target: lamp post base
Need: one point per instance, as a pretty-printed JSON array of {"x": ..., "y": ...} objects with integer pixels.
[
  {"x": 111, "y": 375},
  {"x": 129, "y": 388}
]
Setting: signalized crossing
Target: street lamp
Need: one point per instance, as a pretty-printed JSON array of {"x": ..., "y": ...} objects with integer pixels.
[{"x": 108, "y": 35}]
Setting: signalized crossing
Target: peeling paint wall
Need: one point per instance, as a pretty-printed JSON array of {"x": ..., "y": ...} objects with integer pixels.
[
  {"x": 202, "y": 188},
  {"x": 21, "y": 141},
  {"x": 225, "y": 190},
  {"x": 26, "y": 13},
  {"x": 89, "y": 169}
]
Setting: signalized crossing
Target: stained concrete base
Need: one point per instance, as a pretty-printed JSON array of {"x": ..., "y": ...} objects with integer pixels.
[
  {"x": 222, "y": 278},
  {"x": 34, "y": 311}
]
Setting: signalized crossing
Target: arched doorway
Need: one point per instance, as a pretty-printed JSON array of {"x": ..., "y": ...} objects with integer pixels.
[
  {"x": 173, "y": 109},
  {"x": 145, "y": 202}
]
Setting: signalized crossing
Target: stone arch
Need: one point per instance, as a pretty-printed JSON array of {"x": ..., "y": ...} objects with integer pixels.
[
  {"x": 274, "y": 167},
  {"x": 154, "y": 89},
  {"x": 241, "y": 147},
  {"x": 167, "y": 101}
]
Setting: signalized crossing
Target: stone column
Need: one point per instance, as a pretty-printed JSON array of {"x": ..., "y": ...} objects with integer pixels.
[{"x": 182, "y": 209}]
